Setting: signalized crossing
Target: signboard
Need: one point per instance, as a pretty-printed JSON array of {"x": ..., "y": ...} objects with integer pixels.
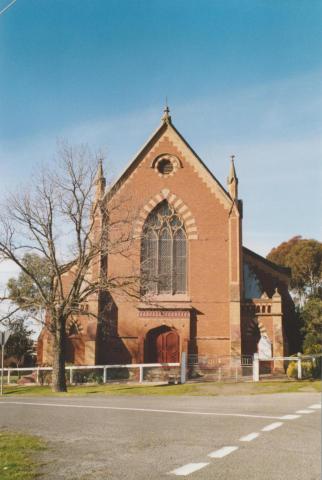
[
  {"x": 4, "y": 337},
  {"x": 264, "y": 348}
]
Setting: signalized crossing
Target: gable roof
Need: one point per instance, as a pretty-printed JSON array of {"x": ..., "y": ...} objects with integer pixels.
[
  {"x": 267, "y": 263},
  {"x": 157, "y": 134}
]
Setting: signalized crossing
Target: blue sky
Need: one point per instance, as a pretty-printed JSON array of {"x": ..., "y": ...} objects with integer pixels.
[{"x": 242, "y": 77}]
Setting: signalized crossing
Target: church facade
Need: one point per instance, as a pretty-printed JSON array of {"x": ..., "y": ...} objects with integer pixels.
[{"x": 201, "y": 291}]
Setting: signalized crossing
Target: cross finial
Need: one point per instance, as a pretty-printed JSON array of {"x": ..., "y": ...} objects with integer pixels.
[{"x": 166, "y": 117}]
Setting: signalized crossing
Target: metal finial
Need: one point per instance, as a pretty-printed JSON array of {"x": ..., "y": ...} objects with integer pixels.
[{"x": 166, "y": 117}]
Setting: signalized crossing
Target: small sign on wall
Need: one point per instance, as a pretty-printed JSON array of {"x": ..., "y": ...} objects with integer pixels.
[{"x": 264, "y": 348}]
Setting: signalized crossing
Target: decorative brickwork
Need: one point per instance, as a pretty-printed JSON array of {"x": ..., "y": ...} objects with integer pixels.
[
  {"x": 180, "y": 207},
  {"x": 223, "y": 309}
]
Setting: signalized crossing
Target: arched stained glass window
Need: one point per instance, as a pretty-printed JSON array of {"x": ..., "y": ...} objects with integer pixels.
[{"x": 164, "y": 252}]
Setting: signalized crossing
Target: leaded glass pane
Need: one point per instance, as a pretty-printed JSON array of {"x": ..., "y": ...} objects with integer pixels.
[
  {"x": 179, "y": 262},
  {"x": 149, "y": 261},
  {"x": 165, "y": 261}
]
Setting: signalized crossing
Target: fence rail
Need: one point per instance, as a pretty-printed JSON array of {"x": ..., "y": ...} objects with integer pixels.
[
  {"x": 193, "y": 367},
  {"x": 71, "y": 369}
]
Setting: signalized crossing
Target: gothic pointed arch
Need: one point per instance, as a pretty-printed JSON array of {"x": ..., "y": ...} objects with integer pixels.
[
  {"x": 164, "y": 252},
  {"x": 175, "y": 202}
]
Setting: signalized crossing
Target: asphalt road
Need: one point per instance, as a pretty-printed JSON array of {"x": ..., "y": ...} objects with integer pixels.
[{"x": 114, "y": 438}]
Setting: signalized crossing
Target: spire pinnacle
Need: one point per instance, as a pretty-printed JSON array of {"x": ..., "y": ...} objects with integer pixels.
[
  {"x": 166, "y": 117},
  {"x": 100, "y": 180},
  {"x": 232, "y": 180}
]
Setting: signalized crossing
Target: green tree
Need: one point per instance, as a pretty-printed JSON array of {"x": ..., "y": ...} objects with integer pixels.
[
  {"x": 278, "y": 254},
  {"x": 19, "y": 345},
  {"x": 304, "y": 257},
  {"x": 312, "y": 325},
  {"x": 23, "y": 291}
]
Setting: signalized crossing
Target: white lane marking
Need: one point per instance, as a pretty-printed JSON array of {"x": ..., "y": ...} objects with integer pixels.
[
  {"x": 249, "y": 437},
  {"x": 304, "y": 411},
  {"x": 272, "y": 426},
  {"x": 289, "y": 417},
  {"x": 316, "y": 406},
  {"x": 132, "y": 409},
  {"x": 222, "y": 452},
  {"x": 189, "y": 468}
]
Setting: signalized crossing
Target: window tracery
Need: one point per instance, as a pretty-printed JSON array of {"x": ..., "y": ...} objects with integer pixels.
[{"x": 164, "y": 252}]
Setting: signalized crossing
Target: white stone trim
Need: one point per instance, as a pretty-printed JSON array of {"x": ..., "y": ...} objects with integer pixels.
[{"x": 188, "y": 218}]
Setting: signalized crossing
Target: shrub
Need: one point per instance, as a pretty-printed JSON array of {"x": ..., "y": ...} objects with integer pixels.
[{"x": 307, "y": 369}]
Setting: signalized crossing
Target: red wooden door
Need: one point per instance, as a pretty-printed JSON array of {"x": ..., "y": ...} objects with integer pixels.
[{"x": 167, "y": 346}]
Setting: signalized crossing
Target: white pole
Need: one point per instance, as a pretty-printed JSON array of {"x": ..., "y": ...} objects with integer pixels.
[
  {"x": 299, "y": 366},
  {"x": 141, "y": 374},
  {"x": 256, "y": 368},
  {"x": 183, "y": 367},
  {"x": 2, "y": 359}
]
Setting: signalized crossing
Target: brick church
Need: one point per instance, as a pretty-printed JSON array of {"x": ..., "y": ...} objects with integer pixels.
[{"x": 202, "y": 291}]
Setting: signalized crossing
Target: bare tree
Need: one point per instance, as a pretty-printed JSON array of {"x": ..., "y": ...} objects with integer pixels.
[{"x": 63, "y": 218}]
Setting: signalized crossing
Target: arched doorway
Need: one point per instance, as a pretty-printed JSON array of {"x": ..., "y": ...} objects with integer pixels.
[{"x": 162, "y": 345}]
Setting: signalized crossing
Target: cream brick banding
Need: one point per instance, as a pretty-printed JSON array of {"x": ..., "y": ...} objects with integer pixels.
[
  {"x": 183, "y": 209},
  {"x": 165, "y": 192},
  {"x": 190, "y": 221},
  {"x": 177, "y": 204}
]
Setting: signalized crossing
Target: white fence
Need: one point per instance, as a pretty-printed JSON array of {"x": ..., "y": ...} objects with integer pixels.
[
  {"x": 278, "y": 365},
  {"x": 37, "y": 372},
  {"x": 202, "y": 369}
]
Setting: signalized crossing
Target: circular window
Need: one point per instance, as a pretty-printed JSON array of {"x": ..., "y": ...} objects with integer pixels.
[{"x": 165, "y": 166}]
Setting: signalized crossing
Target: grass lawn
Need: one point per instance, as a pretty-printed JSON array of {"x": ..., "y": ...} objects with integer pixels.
[
  {"x": 18, "y": 456},
  {"x": 275, "y": 386}
]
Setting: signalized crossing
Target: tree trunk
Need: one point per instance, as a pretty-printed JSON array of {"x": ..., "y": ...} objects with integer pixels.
[{"x": 58, "y": 378}]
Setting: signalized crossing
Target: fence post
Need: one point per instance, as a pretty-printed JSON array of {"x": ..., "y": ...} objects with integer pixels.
[
  {"x": 70, "y": 375},
  {"x": 37, "y": 376},
  {"x": 256, "y": 368},
  {"x": 8, "y": 378},
  {"x": 183, "y": 367},
  {"x": 299, "y": 366},
  {"x": 104, "y": 374},
  {"x": 141, "y": 374}
]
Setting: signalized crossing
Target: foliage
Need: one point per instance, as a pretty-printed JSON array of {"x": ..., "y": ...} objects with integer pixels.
[
  {"x": 312, "y": 320},
  {"x": 279, "y": 254},
  {"x": 304, "y": 257},
  {"x": 19, "y": 344},
  {"x": 307, "y": 369},
  {"x": 16, "y": 450},
  {"x": 23, "y": 291}
]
